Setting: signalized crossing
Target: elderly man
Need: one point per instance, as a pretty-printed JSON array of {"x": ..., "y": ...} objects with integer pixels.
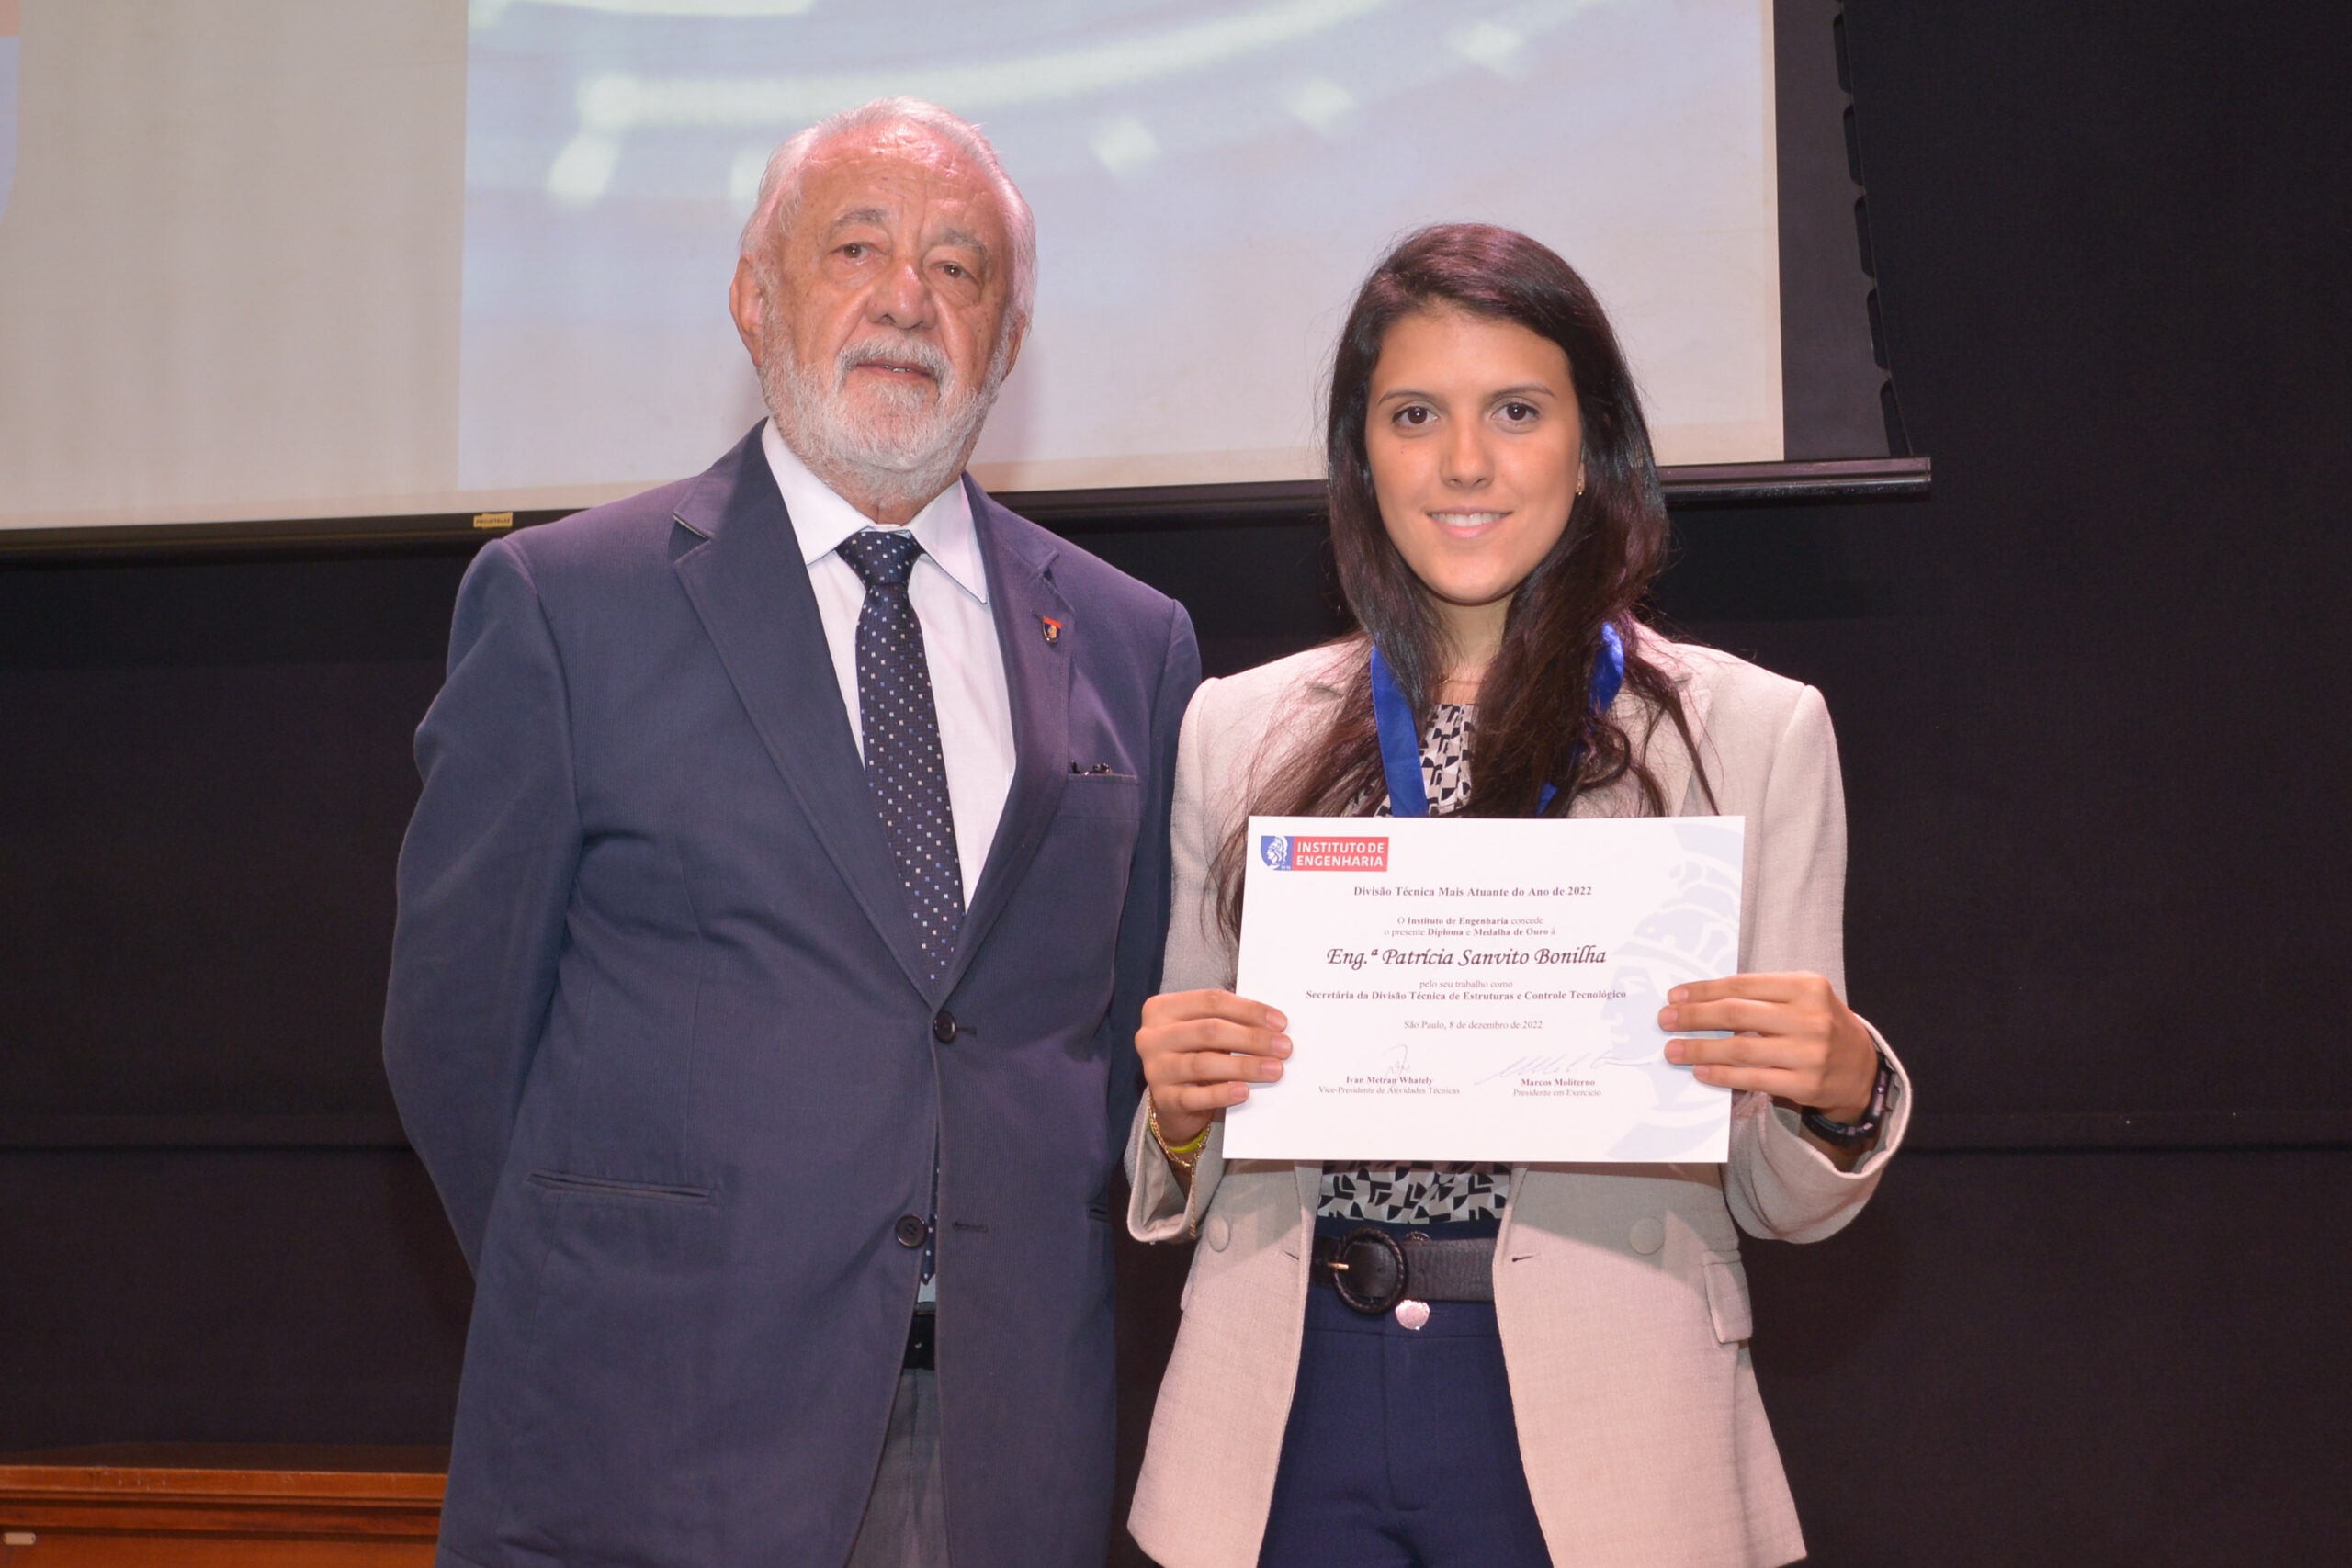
[{"x": 790, "y": 870}]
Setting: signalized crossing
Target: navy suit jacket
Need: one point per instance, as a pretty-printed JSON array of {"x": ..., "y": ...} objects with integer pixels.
[{"x": 661, "y": 1029}]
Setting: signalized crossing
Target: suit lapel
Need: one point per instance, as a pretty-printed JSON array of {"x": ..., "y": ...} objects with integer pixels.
[
  {"x": 1037, "y": 675},
  {"x": 747, "y": 581}
]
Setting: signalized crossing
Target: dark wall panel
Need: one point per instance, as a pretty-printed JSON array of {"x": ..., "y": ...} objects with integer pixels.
[
  {"x": 2062, "y": 1359},
  {"x": 246, "y": 1296},
  {"x": 207, "y": 780}
]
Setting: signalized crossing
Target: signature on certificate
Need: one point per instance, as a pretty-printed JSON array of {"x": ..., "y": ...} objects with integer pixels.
[{"x": 1558, "y": 1062}]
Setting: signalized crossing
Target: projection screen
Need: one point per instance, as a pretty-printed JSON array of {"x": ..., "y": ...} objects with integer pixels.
[{"x": 269, "y": 259}]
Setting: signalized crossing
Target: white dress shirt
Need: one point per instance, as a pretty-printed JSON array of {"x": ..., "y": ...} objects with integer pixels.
[{"x": 949, "y": 590}]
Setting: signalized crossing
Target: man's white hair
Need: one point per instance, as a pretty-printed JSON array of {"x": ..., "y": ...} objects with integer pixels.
[{"x": 773, "y": 213}]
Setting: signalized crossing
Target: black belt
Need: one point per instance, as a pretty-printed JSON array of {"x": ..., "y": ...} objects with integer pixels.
[
  {"x": 923, "y": 1344},
  {"x": 1373, "y": 1270}
]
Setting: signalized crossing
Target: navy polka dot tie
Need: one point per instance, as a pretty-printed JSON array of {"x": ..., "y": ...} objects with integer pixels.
[{"x": 904, "y": 767}]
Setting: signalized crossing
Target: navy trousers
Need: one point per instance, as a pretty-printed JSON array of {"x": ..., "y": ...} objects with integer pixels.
[{"x": 1401, "y": 1450}]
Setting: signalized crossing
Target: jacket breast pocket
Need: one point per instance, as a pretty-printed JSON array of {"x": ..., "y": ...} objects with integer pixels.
[{"x": 1118, "y": 795}]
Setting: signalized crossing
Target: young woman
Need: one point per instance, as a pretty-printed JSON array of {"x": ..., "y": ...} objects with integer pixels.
[{"x": 1574, "y": 1387}]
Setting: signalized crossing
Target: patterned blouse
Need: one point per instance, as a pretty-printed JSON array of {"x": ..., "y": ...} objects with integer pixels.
[{"x": 1424, "y": 1194}]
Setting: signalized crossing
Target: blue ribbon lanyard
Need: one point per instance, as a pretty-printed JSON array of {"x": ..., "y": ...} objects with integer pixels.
[{"x": 1400, "y": 739}]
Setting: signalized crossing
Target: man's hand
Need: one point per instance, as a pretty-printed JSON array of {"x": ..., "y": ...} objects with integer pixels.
[
  {"x": 1201, "y": 1050},
  {"x": 1794, "y": 1039}
]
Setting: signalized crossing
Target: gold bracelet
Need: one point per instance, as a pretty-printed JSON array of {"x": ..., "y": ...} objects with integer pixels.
[{"x": 1185, "y": 1155}]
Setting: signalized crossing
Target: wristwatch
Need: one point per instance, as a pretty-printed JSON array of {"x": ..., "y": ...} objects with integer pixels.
[{"x": 1852, "y": 1135}]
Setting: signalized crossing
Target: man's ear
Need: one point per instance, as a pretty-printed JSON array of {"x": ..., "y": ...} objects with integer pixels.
[{"x": 748, "y": 305}]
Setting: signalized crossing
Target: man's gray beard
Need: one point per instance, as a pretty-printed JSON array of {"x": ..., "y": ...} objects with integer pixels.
[{"x": 900, "y": 454}]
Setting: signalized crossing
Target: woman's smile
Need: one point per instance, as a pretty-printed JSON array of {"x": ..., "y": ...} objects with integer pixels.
[{"x": 1465, "y": 524}]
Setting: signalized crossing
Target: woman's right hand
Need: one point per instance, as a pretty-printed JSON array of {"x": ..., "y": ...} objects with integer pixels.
[{"x": 1201, "y": 1050}]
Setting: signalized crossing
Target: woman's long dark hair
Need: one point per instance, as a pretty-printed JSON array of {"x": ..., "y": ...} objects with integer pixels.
[{"x": 1535, "y": 724}]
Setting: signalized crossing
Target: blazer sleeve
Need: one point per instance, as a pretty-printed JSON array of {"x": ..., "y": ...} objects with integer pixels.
[
  {"x": 1778, "y": 1183},
  {"x": 1143, "y": 919},
  {"x": 484, "y": 884},
  {"x": 1198, "y": 958}
]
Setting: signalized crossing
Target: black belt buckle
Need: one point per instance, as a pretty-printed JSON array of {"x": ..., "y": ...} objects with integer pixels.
[{"x": 1369, "y": 1271}]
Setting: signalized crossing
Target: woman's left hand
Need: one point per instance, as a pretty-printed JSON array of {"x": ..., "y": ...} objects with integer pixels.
[{"x": 1794, "y": 1038}]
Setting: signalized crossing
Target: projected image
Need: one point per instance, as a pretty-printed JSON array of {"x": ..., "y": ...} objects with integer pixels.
[{"x": 1210, "y": 181}]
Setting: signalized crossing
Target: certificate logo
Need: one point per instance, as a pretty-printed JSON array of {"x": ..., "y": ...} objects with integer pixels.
[{"x": 1298, "y": 852}]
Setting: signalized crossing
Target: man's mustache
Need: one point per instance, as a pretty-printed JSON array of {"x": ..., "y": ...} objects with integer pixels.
[{"x": 896, "y": 353}]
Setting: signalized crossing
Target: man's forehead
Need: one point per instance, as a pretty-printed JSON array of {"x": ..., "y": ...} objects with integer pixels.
[{"x": 877, "y": 170}]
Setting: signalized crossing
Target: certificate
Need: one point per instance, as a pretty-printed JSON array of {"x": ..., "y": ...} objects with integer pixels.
[{"x": 1483, "y": 988}]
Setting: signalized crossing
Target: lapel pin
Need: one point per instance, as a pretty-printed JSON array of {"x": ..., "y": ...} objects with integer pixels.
[{"x": 1053, "y": 629}]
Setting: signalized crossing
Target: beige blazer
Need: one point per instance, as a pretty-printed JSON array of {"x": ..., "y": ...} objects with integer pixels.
[{"x": 1619, "y": 1289}]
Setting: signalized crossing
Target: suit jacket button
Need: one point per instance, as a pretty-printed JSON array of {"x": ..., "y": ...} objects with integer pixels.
[
  {"x": 944, "y": 1027},
  {"x": 910, "y": 1230}
]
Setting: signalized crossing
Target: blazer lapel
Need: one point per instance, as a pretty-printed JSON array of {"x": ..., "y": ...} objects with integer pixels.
[
  {"x": 1037, "y": 676},
  {"x": 747, "y": 581}
]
